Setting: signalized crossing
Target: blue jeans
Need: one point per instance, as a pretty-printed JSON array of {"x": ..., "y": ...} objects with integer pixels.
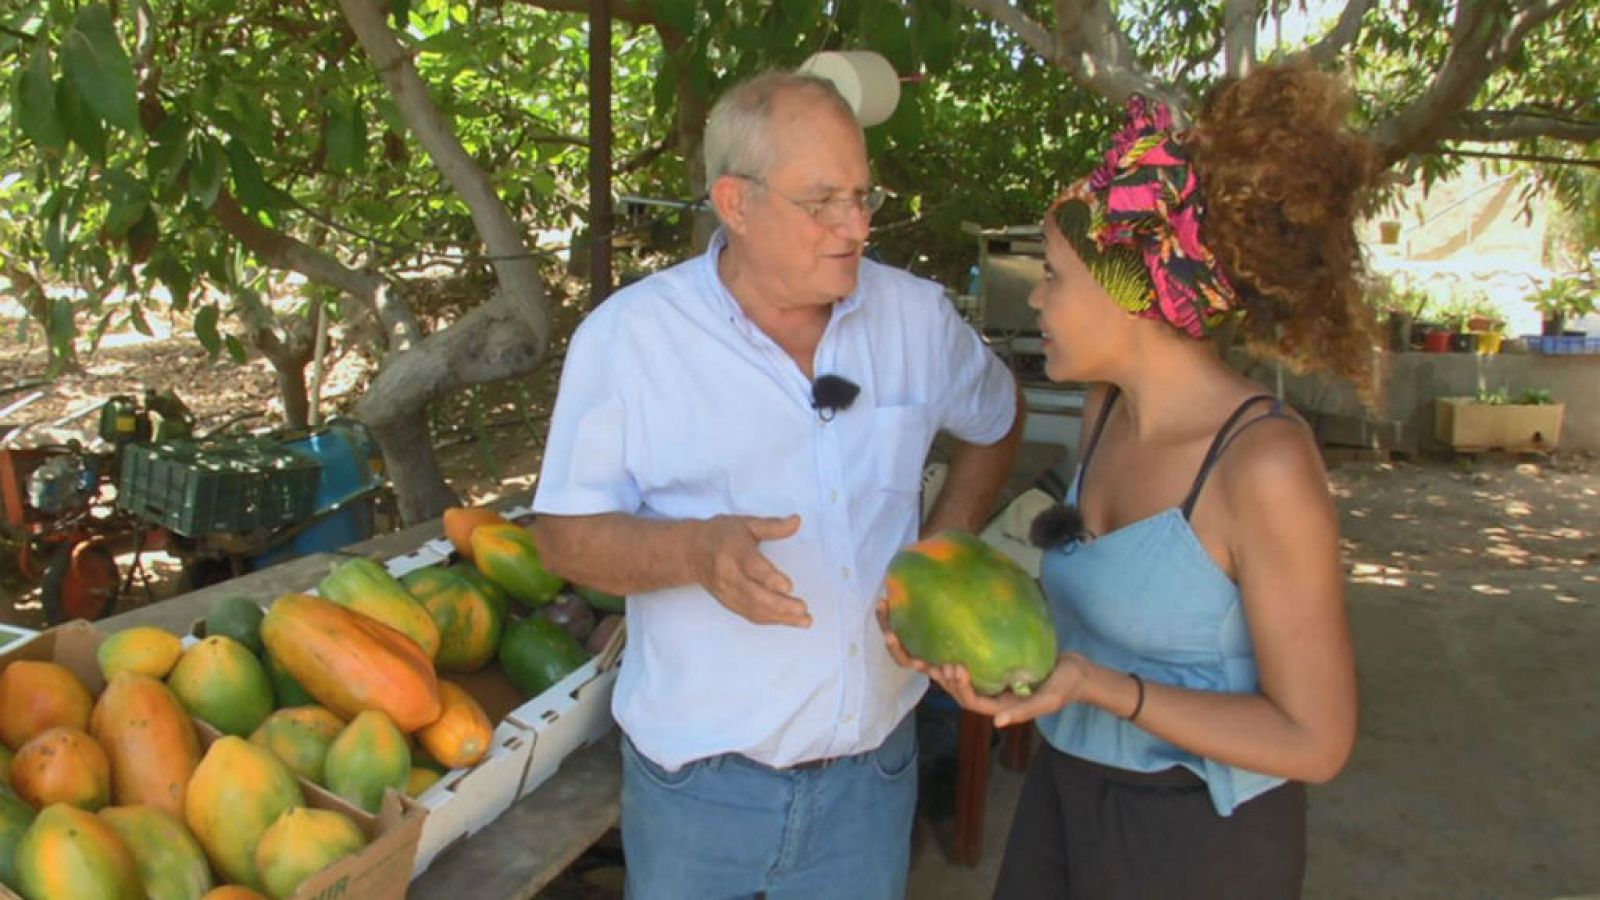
[{"x": 729, "y": 827}]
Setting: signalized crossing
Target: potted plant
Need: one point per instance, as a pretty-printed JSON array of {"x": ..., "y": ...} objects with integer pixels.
[
  {"x": 1561, "y": 300},
  {"x": 1401, "y": 305},
  {"x": 1498, "y": 420}
]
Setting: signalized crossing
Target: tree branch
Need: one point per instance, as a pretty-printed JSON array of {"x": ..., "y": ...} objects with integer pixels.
[
  {"x": 519, "y": 283},
  {"x": 1088, "y": 44},
  {"x": 1032, "y": 33},
  {"x": 1342, "y": 35},
  {"x": 1494, "y": 126},
  {"x": 1239, "y": 36},
  {"x": 1482, "y": 40},
  {"x": 621, "y": 10}
]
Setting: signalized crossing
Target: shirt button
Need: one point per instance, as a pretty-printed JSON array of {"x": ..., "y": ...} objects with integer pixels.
[
  {"x": 848, "y": 719},
  {"x": 844, "y": 572},
  {"x": 854, "y": 650},
  {"x": 834, "y": 496}
]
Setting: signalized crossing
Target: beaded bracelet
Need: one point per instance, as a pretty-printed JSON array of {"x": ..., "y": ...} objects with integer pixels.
[{"x": 1138, "y": 705}]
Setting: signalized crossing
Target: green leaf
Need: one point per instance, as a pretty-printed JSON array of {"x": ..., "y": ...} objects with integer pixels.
[
  {"x": 80, "y": 123},
  {"x": 137, "y": 320},
  {"x": 128, "y": 199},
  {"x": 94, "y": 59},
  {"x": 676, "y": 14},
  {"x": 248, "y": 183},
  {"x": 205, "y": 170},
  {"x": 163, "y": 158},
  {"x": 205, "y": 328},
  {"x": 236, "y": 349},
  {"x": 62, "y": 328},
  {"x": 36, "y": 103},
  {"x": 169, "y": 271},
  {"x": 346, "y": 135}
]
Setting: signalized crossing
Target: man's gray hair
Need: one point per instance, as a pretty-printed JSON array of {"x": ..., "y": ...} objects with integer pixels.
[{"x": 736, "y": 139}]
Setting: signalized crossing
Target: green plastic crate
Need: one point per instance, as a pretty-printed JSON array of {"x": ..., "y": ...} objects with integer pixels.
[{"x": 198, "y": 489}]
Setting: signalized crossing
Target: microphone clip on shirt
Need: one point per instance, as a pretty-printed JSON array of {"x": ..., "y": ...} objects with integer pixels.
[{"x": 832, "y": 394}]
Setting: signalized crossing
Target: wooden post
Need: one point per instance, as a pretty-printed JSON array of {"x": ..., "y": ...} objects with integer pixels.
[{"x": 600, "y": 219}]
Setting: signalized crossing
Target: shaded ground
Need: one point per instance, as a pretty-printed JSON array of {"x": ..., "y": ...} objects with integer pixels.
[{"x": 1475, "y": 599}]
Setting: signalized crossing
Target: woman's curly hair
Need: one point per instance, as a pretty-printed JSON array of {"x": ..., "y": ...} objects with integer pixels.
[{"x": 1285, "y": 180}]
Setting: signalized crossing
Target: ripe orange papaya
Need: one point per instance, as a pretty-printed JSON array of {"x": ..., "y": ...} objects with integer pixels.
[
  {"x": 509, "y": 557},
  {"x": 367, "y": 588},
  {"x": 233, "y": 892},
  {"x": 369, "y": 756},
  {"x": 150, "y": 741},
  {"x": 145, "y": 650},
  {"x": 469, "y": 623},
  {"x": 71, "y": 853},
  {"x": 300, "y": 736},
  {"x": 236, "y": 794},
  {"x": 420, "y": 779},
  {"x": 63, "y": 765},
  {"x": 220, "y": 681},
  {"x": 351, "y": 663},
  {"x": 462, "y": 734},
  {"x": 170, "y": 861},
  {"x": 954, "y": 599},
  {"x": 461, "y": 521},
  {"x": 37, "y": 696},
  {"x": 302, "y": 843}
]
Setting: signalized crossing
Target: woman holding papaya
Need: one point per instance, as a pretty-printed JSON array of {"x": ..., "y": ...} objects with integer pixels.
[{"x": 1194, "y": 578}]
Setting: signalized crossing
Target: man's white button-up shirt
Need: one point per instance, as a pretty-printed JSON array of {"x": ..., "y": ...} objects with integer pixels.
[{"x": 674, "y": 405}]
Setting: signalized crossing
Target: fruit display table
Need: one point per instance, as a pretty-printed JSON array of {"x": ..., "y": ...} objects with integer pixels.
[{"x": 534, "y": 840}]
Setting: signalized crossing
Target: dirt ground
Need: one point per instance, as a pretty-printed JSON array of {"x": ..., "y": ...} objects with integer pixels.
[{"x": 1475, "y": 600}]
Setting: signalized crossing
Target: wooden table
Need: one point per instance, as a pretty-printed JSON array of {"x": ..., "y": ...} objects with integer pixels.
[{"x": 541, "y": 834}]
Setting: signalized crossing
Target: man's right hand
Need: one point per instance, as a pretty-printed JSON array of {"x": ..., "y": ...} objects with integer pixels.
[{"x": 727, "y": 562}]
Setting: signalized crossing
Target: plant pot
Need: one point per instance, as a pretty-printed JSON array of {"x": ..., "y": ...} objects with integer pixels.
[
  {"x": 1480, "y": 324},
  {"x": 1489, "y": 342},
  {"x": 1464, "y": 342},
  {"x": 1464, "y": 424},
  {"x": 1389, "y": 232},
  {"x": 1554, "y": 325},
  {"x": 1399, "y": 331},
  {"x": 1437, "y": 341}
]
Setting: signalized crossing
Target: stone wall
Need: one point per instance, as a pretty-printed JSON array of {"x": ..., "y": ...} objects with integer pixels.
[{"x": 1415, "y": 380}]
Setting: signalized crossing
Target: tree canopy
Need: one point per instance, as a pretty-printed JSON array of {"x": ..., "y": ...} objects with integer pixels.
[{"x": 250, "y": 163}]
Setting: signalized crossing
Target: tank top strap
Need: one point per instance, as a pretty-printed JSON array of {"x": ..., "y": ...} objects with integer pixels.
[
  {"x": 1094, "y": 437},
  {"x": 1224, "y": 438}
]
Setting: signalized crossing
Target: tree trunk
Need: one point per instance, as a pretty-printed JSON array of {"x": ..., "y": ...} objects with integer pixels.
[
  {"x": 412, "y": 466},
  {"x": 292, "y": 389}
]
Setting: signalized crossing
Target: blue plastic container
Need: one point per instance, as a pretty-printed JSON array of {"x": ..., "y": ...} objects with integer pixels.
[{"x": 347, "y": 455}]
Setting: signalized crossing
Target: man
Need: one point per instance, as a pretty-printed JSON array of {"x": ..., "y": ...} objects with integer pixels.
[{"x": 702, "y": 461}]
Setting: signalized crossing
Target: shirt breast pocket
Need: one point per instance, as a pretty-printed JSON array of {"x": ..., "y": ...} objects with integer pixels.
[{"x": 900, "y": 439}]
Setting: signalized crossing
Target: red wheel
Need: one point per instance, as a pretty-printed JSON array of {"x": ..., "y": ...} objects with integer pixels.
[{"x": 80, "y": 582}]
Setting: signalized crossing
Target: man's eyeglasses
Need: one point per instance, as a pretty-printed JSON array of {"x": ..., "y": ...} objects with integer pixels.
[{"x": 834, "y": 211}]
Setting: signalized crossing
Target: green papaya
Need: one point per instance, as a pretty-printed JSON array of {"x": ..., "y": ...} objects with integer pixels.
[
  {"x": 536, "y": 653},
  {"x": 954, "y": 599}
]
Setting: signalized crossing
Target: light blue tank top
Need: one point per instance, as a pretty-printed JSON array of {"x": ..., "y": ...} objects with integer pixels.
[{"x": 1147, "y": 598}]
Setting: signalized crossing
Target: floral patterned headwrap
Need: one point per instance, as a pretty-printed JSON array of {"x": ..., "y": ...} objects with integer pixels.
[{"x": 1144, "y": 203}]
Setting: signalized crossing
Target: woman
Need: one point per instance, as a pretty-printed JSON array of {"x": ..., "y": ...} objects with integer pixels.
[{"x": 1206, "y": 671}]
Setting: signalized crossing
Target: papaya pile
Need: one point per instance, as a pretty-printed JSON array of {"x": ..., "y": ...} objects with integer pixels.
[
  {"x": 349, "y": 690},
  {"x": 111, "y": 796}
]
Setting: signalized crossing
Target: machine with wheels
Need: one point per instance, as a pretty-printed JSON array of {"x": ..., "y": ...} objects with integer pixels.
[{"x": 223, "y": 506}]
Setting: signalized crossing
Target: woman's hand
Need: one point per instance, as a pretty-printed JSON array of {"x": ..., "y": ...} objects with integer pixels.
[
  {"x": 1064, "y": 685},
  {"x": 891, "y": 641}
]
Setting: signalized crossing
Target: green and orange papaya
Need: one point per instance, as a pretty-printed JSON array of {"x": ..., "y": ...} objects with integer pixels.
[
  {"x": 221, "y": 681},
  {"x": 507, "y": 555},
  {"x": 954, "y": 599},
  {"x": 469, "y": 622},
  {"x": 351, "y": 663},
  {"x": 367, "y": 588}
]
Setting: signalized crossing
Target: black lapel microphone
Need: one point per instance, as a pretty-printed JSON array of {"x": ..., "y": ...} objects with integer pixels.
[{"x": 831, "y": 394}]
